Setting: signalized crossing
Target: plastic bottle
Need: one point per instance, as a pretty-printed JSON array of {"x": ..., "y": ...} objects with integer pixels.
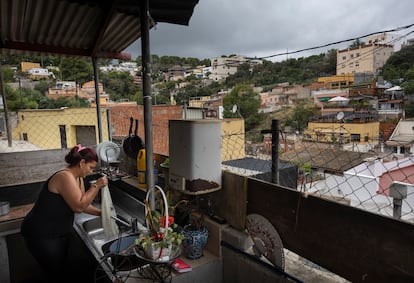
[{"x": 142, "y": 169}]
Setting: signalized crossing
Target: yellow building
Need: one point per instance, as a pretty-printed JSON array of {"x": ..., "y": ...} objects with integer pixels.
[
  {"x": 233, "y": 139},
  {"x": 363, "y": 59},
  {"x": 358, "y": 133},
  {"x": 60, "y": 128},
  {"x": 28, "y": 65},
  {"x": 337, "y": 81}
]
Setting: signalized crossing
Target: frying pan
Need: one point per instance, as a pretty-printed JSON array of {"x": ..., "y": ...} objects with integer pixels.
[
  {"x": 136, "y": 143},
  {"x": 126, "y": 145}
]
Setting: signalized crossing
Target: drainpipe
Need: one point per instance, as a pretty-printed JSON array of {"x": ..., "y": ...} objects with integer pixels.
[
  {"x": 398, "y": 191},
  {"x": 146, "y": 85},
  {"x": 97, "y": 100}
]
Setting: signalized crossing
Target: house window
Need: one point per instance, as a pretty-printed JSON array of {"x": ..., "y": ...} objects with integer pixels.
[
  {"x": 355, "y": 137},
  {"x": 343, "y": 57}
]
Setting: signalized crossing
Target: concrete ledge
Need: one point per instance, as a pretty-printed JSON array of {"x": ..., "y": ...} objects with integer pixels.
[{"x": 236, "y": 238}]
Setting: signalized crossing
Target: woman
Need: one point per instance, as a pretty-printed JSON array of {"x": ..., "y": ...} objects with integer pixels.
[{"x": 47, "y": 227}]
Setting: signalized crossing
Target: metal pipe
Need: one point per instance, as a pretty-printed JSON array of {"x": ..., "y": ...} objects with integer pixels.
[
  {"x": 97, "y": 100},
  {"x": 146, "y": 85},
  {"x": 108, "y": 122},
  {"x": 275, "y": 151},
  {"x": 6, "y": 112}
]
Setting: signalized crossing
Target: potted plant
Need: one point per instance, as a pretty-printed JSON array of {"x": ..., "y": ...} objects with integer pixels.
[
  {"x": 160, "y": 238},
  {"x": 195, "y": 236}
]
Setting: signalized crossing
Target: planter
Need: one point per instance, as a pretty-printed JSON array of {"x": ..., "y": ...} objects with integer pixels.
[
  {"x": 194, "y": 241},
  {"x": 153, "y": 251}
]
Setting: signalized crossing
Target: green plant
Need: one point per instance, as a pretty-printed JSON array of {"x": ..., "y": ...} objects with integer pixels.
[
  {"x": 159, "y": 233},
  {"x": 196, "y": 221}
]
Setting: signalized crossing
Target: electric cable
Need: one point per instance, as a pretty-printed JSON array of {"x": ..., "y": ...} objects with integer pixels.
[{"x": 333, "y": 43}]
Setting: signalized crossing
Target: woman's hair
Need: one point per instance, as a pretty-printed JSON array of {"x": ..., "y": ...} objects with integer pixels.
[{"x": 79, "y": 152}]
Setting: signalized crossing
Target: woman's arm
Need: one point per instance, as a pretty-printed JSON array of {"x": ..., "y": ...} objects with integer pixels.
[
  {"x": 74, "y": 193},
  {"x": 93, "y": 210}
]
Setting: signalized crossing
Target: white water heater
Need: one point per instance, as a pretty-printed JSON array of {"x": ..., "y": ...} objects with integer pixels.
[{"x": 194, "y": 151}]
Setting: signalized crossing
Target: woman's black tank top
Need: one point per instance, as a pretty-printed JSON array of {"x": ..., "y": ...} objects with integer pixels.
[{"x": 50, "y": 216}]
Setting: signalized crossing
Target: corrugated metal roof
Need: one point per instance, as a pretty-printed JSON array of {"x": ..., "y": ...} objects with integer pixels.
[{"x": 94, "y": 28}]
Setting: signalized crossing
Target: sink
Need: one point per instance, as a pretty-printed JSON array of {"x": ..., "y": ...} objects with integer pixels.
[{"x": 94, "y": 227}]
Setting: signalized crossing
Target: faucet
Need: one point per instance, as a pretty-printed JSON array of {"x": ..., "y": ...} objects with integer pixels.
[{"x": 133, "y": 225}]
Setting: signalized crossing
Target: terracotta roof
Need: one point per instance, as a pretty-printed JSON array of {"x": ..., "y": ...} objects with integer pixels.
[
  {"x": 330, "y": 159},
  {"x": 93, "y": 28}
]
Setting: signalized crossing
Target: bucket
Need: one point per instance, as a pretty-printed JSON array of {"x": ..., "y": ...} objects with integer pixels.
[{"x": 142, "y": 169}]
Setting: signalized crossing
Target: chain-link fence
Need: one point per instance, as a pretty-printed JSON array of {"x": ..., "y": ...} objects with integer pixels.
[{"x": 366, "y": 175}]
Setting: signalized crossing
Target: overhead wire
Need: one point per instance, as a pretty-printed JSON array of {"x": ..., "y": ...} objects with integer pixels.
[
  {"x": 332, "y": 43},
  {"x": 379, "y": 47}
]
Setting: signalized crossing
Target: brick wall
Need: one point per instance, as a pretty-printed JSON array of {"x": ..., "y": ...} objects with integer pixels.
[{"x": 120, "y": 116}]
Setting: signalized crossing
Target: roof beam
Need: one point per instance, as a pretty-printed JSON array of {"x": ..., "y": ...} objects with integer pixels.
[{"x": 42, "y": 48}]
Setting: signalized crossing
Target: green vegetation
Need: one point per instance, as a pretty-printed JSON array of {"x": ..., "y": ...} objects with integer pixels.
[
  {"x": 399, "y": 70},
  {"x": 243, "y": 101}
]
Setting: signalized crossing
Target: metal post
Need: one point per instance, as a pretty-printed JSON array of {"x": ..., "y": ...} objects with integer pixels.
[
  {"x": 146, "y": 85},
  {"x": 6, "y": 112},
  {"x": 21, "y": 97},
  {"x": 398, "y": 191},
  {"x": 396, "y": 210},
  {"x": 108, "y": 122},
  {"x": 97, "y": 96},
  {"x": 275, "y": 151}
]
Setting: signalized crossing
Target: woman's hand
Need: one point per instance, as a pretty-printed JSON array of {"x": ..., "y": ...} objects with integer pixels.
[{"x": 101, "y": 182}]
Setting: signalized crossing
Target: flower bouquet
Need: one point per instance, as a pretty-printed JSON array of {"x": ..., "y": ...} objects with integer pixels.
[{"x": 160, "y": 242}]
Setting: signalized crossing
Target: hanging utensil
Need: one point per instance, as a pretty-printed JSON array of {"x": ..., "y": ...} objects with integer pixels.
[
  {"x": 126, "y": 145},
  {"x": 136, "y": 143}
]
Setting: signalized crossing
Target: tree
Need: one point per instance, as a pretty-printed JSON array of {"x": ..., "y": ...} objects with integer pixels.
[
  {"x": 409, "y": 110},
  {"x": 247, "y": 103},
  {"x": 119, "y": 85},
  {"x": 301, "y": 116},
  {"x": 42, "y": 87},
  {"x": 357, "y": 43},
  {"x": 8, "y": 74},
  {"x": 74, "y": 69}
]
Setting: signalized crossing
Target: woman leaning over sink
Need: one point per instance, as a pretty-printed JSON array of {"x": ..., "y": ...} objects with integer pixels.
[{"x": 47, "y": 227}]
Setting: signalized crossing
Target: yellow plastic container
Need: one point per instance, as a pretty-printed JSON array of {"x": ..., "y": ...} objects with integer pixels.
[{"x": 142, "y": 169}]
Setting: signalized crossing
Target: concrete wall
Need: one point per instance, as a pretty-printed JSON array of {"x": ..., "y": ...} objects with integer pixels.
[{"x": 30, "y": 166}]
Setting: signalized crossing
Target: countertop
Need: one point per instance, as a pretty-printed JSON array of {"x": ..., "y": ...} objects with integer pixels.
[{"x": 11, "y": 222}]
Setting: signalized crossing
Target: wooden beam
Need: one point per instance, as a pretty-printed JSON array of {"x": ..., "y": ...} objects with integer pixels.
[{"x": 355, "y": 244}]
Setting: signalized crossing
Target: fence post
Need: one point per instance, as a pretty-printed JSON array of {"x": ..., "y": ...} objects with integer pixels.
[
  {"x": 398, "y": 191},
  {"x": 275, "y": 151}
]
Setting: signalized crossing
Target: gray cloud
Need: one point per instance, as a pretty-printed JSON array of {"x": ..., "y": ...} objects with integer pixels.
[{"x": 267, "y": 27}]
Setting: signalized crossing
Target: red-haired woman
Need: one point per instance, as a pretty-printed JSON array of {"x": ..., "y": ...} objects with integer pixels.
[{"x": 47, "y": 227}]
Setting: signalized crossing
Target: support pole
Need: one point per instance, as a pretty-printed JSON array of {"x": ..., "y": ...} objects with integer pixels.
[
  {"x": 275, "y": 151},
  {"x": 6, "y": 112},
  {"x": 146, "y": 85},
  {"x": 97, "y": 97}
]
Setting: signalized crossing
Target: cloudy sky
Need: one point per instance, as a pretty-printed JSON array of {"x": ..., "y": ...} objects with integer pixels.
[{"x": 260, "y": 28}]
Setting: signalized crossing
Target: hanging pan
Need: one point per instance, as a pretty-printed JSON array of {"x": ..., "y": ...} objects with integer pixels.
[
  {"x": 136, "y": 143},
  {"x": 126, "y": 145}
]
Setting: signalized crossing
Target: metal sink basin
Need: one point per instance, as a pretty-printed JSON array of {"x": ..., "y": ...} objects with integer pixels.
[{"x": 94, "y": 227}]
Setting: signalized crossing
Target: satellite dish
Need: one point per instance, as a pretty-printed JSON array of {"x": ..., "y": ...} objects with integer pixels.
[
  {"x": 340, "y": 116},
  {"x": 234, "y": 108}
]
